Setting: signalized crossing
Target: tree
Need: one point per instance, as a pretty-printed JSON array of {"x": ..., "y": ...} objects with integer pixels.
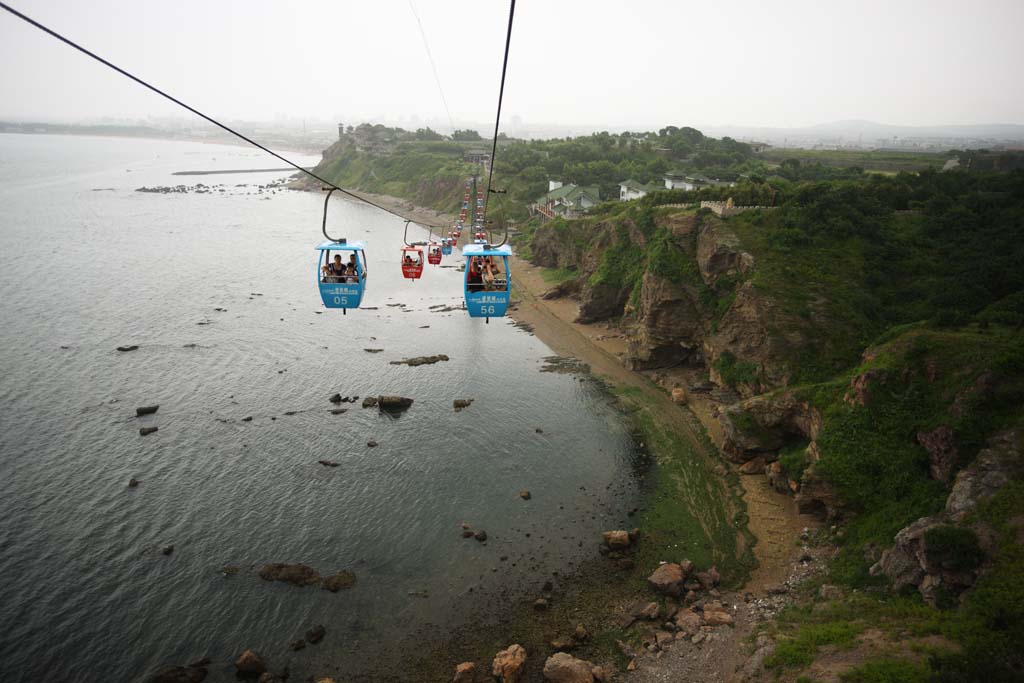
[
  {"x": 428, "y": 134},
  {"x": 466, "y": 135}
]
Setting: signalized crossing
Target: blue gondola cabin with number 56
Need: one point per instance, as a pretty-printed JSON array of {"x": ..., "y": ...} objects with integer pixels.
[
  {"x": 488, "y": 283},
  {"x": 341, "y": 278}
]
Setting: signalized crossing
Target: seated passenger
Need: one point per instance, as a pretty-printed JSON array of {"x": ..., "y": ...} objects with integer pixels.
[
  {"x": 333, "y": 272},
  {"x": 474, "y": 276},
  {"x": 351, "y": 276}
]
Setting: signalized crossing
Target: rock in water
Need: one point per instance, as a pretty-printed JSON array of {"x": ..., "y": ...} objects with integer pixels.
[
  {"x": 369, "y": 401},
  {"x": 146, "y": 410},
  {"x": 341, "y": 580},
  {"x": 464, "y": 673},
  {"x": 480, "y": 535},
  {"x": 420, "y": 360},
  {"x": 167, "y": 549},
  {"x": 147, "y": 430},
  {"x": 461, "y": 403},
  {"x": 295, "y": 574},
  {"x": 133, "y": 347},
  {"x": 328, "y": 463},
  {"x": 508, "y": 665},
  {"x": 335, "y": 399},
  {"x": 371, "y": 443},
  {"x": 250, "y": 663},
  {"x": 393, "y": 403},
  {"x": 133, "y": 483},
  {"x": 316, "y": 634},
  {"x": 525, "y": 495},
  {"x": 562, "y": 667},
  {"x": 297, "y": 645},
  {"x": 616, "y": 540}
]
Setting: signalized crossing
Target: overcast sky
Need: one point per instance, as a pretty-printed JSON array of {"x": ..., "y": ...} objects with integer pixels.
[{"x": 577, "y": 62}]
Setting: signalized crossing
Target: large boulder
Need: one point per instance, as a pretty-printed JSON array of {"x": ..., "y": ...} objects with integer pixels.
[
  {"x": 688, "y": 622},
  {"x": 668, "y": 579},
  {"x": 562, "y": 667},
  {"x": 616, "y": 540},
  {"x": 995, "y": 466},
  {"x": 249, "y": 663},
  {"x": 509, "y": 664},
  {"x": 716, "y": 615},
  {"x": 465, "y": 673},
  {"x": 393, "y": 404}
]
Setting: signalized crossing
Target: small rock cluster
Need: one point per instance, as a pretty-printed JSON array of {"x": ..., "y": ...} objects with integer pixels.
[
  {"x": 509, "y": 666},
  {"x": 618, "y": 546},
  {"x": 303, "y": 575}
]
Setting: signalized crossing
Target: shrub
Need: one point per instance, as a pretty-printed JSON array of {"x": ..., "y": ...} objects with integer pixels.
[{"x": 953, "y": 547}]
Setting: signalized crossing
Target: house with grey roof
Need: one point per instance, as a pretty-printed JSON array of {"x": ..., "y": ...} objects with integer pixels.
[{"x": 568, "y": 200}]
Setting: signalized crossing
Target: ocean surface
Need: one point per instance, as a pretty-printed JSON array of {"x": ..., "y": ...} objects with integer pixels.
[{"x": 88, "y": 264}]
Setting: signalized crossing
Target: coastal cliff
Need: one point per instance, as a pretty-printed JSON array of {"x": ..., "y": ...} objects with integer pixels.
[{"x": 853, "y": 360}]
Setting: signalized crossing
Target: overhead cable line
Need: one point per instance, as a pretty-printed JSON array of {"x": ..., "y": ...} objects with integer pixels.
[
  {"x": 433, "y": 66},
  {"x": 158, "y": 91},
  {"x": 497, "y": 118}
]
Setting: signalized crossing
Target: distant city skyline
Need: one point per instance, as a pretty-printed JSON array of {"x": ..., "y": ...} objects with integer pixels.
[{"x": 573, "y": 64}]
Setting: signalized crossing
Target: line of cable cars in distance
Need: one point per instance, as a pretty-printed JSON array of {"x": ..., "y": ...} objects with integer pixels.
[{"x": 487, "y": 286}]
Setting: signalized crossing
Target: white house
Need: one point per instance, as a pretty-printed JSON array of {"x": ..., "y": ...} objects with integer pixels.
[{"x": 631, "y": 189}]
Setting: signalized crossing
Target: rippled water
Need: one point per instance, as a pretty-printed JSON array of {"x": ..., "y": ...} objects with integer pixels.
[{"x": 88, "y": 264}]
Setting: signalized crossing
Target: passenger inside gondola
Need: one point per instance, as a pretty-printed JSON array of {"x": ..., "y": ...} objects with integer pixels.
[
  {"x": 334, "y": 271},
  {"x": 493, "y": 277},
  {"x": 474, "y": 275}
]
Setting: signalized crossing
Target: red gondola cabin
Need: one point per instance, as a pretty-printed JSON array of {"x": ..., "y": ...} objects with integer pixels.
[
  {"x": 412, "y": 263},
  {"x": 433, "y": 253}
]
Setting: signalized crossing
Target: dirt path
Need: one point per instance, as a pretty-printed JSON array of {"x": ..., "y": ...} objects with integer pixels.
[{"x": 774, "y": 519}]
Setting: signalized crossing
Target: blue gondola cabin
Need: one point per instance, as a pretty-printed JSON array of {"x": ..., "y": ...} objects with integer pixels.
[
  {"x": 488, "y": 283},
  {"x": 341, "y": 273}
]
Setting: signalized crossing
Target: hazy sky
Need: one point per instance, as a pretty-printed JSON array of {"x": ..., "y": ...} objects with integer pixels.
[{"x": 580, "y": 62}]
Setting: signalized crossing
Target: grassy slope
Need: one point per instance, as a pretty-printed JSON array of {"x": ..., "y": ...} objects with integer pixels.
[{"x": 871, "y": 456}]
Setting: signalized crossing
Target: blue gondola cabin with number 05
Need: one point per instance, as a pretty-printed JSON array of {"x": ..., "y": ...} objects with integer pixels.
[
  {"x": 488, "y": 282},
  {"x": 341, "y": 277}
]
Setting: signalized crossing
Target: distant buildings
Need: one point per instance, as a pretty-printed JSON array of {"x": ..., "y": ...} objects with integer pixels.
[
  {"x": 631, "y": 189},
  {"x": 677, "y": 180},
  {"x": 567, "y": 201},
  {"x": 477, "y": 156}
]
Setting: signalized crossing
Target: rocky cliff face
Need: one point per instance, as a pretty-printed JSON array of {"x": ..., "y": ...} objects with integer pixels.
[
  {"x": 677, "y": 319},
  {"x": 943, "y": 555}
]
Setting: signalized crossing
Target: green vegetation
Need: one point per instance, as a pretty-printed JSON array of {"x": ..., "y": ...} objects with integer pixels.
[
  {"x": 887, "y": 670},
  {"x": 860, "y": 159},
  {"x": 953, "y": 547},
  {"x": 735, "y": 372},
  {"x": 799, "y": 651},
  {"x": 556, "y": 276},
  {"x": 687, "y": 510},
  {"x": 793, "y": 459}
]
